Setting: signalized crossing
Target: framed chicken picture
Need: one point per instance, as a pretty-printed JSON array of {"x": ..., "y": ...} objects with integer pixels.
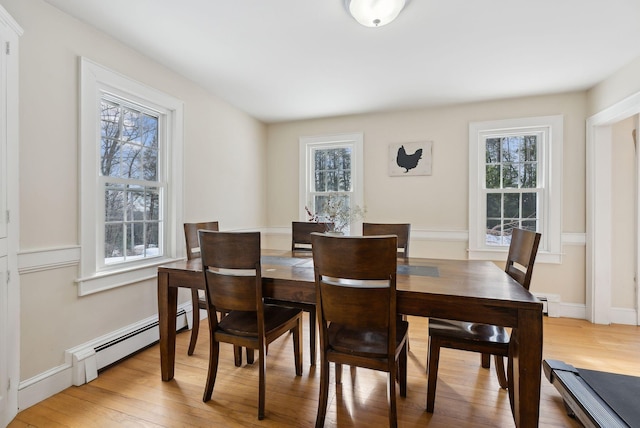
[{"x": 410, "y": 159}]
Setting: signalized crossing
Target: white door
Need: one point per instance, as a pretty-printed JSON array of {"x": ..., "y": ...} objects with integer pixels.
[{"x": 9, "y": 229}]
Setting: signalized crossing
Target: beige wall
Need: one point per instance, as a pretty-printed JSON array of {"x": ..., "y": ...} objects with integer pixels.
[
  {"x": 623, "y": 215},
  {"x": 225, "y": 178},
  {"x": 438, "y": 202}
]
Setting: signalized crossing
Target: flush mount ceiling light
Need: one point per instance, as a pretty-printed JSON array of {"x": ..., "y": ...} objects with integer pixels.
[{"x": 374, "y": 13}]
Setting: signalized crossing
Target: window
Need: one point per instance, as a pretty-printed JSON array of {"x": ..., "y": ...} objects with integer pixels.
[
  {"x": 131, "y": 179},
  {"x": 515, "y": 171},
  {"x": 330, "y": 170}
]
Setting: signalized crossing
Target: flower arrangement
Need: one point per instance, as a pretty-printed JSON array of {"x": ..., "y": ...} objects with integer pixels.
[{"x": 337, "y": 211}]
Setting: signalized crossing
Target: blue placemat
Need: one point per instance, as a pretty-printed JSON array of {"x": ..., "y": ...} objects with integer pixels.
[{"x": 418, "y": 270}]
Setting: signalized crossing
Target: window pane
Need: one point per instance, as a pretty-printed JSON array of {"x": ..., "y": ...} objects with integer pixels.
[
  {"x": 150, "y": 164},
  {"x": 510, "y": 176},
  {"x": 531, "y": 148},
  {"x": 131, "y": 162},
  {"x": 493, "y": 176},
  {"x": 493, "y": 150},
  {"x": 530, "y": 225},
  {"x": 131, "y": 129},
  {"x": 512, "y": 205},
  {"x": 135, "y": 239},
  {"x": 109, "y": 157},
  {"x": 149, "y": 128},
  {"x": 152, "y": 203},
  {"x": 529, "y": 176},
  {"x": 529, "y": 205},
  {"x": 114, "y": 202},
  {"x": 109, "y": 120},
  {"x": 135, "y": 205},
  {"x": 494, "y": 205},
  {"x": 511, "y": 148},
  {"x": 332, "y": 170},
  {"x": 494, "y": 232},
  {"x": 113, "y": 243}
]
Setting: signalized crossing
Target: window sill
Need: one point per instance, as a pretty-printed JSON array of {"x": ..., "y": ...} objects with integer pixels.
[
  {"x": 501, "y": 255},
  {"x": 103, "y": 281}
]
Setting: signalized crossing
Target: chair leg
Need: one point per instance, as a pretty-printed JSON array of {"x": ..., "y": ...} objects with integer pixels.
[
  {"x": 502, "y": 378},
  {"x": 297, "y": 346},
  {"x": 485, "y": 361},
  {"x": 324, "y": 392},
  {"x": 312, "y": 336},
  {"x": 261, "y": 381},
  {"x": 338, "y": 368},
  {"x": 432, "y": 367},
  {"x": 402, "y": 370},
  {"x": 250, "y": 355},
  {"x": 393, "y": 411},
  {"x": 237, "y": 355},
  {"x": 214, "y": 354},
  {"x": 195, "y": 327}
]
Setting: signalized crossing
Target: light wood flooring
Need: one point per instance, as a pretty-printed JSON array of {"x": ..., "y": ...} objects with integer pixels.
[{"x": 131, "y": 393}]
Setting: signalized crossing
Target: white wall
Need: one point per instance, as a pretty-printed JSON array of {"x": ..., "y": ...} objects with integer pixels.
[
  {"x": 438, "y": 204},
  {"x": 224, "y": 178}
]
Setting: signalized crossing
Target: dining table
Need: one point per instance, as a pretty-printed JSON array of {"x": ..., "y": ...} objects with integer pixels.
[{"x": 466, "y": 290}]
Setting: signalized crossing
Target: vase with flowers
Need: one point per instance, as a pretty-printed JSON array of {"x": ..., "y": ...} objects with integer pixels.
[{"x": 335, "y": 209}]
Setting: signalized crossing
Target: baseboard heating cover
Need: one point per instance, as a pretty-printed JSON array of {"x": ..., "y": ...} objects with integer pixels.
[
  {"x": 83, "y": 362},
  {"x": 97, "y": 354}
]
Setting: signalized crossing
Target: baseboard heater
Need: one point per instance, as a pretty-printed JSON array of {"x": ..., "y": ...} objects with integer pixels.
[{"x": 90, "y": 358}]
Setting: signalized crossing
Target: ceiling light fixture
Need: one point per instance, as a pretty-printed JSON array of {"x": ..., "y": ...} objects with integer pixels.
[{"x": 374, "y": 13}]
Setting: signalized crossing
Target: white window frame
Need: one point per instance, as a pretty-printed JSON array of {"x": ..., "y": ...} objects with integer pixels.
[
  {"x": 307, "y": 144},
  {"x": 549, "y": 185},
  {"x": 95, "y": 276}
]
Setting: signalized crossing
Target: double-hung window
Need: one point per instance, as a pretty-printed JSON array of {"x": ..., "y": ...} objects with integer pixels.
[
  {"x": 515, "y": 171},
  {"x": 131, "y": 179},
  {"x": 330, "y": 171}
]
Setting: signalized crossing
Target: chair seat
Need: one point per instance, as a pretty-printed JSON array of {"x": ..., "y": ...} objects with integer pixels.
[
  {"x": 468, "y": 331},
  {"x": 372, "y": 344},
  {"x": 245, "y": 324}
]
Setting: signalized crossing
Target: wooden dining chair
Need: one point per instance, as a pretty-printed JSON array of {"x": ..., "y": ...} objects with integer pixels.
[
  {"x": 233, "y": 284},
  {"x": 401, "y": 230},
  {"x": 355, "y": 281},
  {"x": 301, "y": 234},
  {"x": 301, "y": 245},
  {"x": 193, "y": 252},
  {"x": 484, "y": 338}
]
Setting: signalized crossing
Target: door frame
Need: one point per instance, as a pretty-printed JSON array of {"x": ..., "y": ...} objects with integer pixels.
[
  {"x": 10, "y": 52},
  {"x": 599, "y": 212}
]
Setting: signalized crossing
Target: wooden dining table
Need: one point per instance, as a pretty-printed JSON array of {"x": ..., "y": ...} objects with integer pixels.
[{"x": 466, "y": 290}]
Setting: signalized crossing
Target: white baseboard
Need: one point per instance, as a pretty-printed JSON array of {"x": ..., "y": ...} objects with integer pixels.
[
  {"x": 83, "y": 362},
  {"x": 624, "y": 316}
]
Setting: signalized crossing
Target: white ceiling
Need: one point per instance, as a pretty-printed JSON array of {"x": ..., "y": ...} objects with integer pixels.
[{"x": 282, "y": 60}]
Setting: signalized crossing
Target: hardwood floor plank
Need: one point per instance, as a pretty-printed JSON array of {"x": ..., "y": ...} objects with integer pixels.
[{"x": 132, "y": 393}]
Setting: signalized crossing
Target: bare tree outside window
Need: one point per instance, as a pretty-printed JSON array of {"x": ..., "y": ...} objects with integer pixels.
[
  {"x": 511, "y": 182},
  {"x": 129, "y": 162}
]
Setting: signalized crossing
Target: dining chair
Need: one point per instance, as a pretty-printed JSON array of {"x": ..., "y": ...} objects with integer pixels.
[
  {"x": 193, "y": 252},
  {"x": 233, "y": 284},
  {"x": 401, "y": 230},
  {"x": 301, "y": 234},
  {"x": 483, "y": 338},
  {"x": 301, "y": 245},
  {"x": 355, "y": 281}
]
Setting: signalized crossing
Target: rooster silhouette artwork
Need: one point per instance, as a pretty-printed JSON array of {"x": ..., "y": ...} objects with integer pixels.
[{"x": 408, "y": 161}]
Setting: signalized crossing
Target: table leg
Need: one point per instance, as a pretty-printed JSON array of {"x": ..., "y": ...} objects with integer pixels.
[
  {"x": 167, "y": 309},
  {"x": 526, "y": 360}
]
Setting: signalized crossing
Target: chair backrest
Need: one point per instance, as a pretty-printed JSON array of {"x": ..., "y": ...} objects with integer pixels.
[
  {"x": 231, "y": 266},
  {"x": 191, "y": 236},
  {"x": 301, "y": 233},
  {"x": 522, "y": 253},
  {"x": 356, "y": 282},
  {"x": 401, "y": 230}
]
